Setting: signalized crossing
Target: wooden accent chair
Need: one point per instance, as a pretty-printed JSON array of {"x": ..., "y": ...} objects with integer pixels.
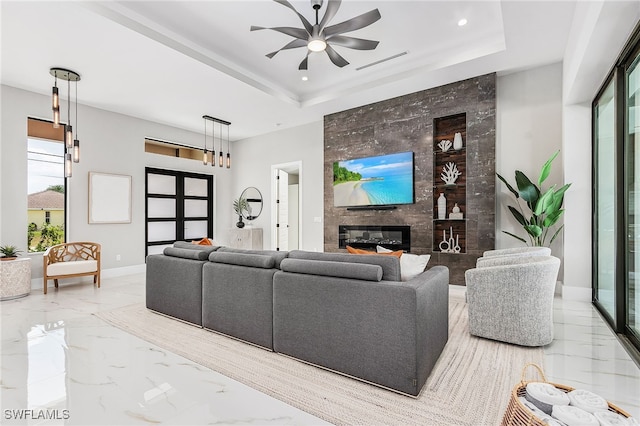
[{"x": 70, "y": 260}]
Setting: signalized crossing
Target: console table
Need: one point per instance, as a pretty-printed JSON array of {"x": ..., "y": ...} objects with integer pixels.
[
  {"x": 15, "y": 278},
  {"x": 246, "y": 238}
]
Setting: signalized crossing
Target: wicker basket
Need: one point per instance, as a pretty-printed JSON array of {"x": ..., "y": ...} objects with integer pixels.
[{"x": 518, "y": 415}]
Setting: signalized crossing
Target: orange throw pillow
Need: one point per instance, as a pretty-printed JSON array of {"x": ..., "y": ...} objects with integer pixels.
[
  {"x": 353, "y": 250},
  {"x": 203, "y": 242}
]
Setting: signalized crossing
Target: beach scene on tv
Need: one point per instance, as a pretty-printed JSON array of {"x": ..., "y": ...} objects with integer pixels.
[{"x": 371, "y": 181}]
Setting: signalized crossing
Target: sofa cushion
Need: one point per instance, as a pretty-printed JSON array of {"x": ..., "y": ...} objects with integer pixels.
[
  {"x": 244, "y": 259},
  {"x": 390, "y": 264},
  {"x": 411, "y": 265},
  {"x": 203, "y": 242},
  {"x": 72, "y": 267},
  {"x": 354, "y": 250},
  {"x": 190, "y": 246},
  {"x": 186, "y": 253},
  {"x": 277, "y": 255},
  {"x": 359, "y": 271}
]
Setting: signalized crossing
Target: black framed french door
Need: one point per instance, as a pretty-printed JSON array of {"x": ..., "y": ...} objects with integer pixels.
[
  {"x": 178, "y": 206},
  {"x": 616, "y": 195}
]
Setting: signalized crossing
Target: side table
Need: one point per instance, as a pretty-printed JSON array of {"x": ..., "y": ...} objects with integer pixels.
[{"x": 15, "y": 278}]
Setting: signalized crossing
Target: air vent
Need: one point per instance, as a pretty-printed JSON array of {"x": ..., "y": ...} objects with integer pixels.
[{"x": 382, "y": 60}]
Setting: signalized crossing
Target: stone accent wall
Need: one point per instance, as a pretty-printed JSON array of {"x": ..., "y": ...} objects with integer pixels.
[{"x": 405, "y": 124}]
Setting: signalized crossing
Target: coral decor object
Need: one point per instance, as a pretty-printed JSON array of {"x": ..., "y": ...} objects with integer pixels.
[
  {"x": 450, "y": 173},
  {"x": 444, "y": 145}
]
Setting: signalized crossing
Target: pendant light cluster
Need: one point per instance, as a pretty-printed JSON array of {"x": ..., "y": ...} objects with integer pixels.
[
  {"x": 72, "y": 146},
  {"x": 205, "y": 155}
]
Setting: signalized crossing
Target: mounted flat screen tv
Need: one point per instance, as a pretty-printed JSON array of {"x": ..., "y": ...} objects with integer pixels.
[{"x": 374, "y": 181}]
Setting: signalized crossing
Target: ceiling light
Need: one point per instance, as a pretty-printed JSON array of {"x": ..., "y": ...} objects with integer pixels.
[
  {"x": 72, "y": 147},
  {"x": 205, "y": 156},
  {"x": 462, "y": 22},
  {"x": 213, "y": 150},
  {"x": 305, "y": 78},
  {"x": 317, "y": 45}
]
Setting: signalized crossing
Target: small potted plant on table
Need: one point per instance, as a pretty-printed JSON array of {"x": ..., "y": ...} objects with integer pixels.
[{"x": 9, "y": 252}]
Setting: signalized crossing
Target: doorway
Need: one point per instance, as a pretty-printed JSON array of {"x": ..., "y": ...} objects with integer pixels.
[{"x": 286, "y": 206}]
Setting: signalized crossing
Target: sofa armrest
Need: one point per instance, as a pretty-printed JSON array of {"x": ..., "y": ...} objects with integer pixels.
[
  {"x": 243, "y": 259},
  {"x": 432, "y": 315},
  {"x": 185, "y": 253},
  {"x": 357, "y": 271}
]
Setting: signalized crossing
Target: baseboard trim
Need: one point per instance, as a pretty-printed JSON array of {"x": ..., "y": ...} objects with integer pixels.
[
  {"x": 36, "y": 283},
  {"x": 581, "y": 294}
]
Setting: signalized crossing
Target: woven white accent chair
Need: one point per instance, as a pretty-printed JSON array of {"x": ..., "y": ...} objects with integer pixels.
[
  {"x": 71, "y": 260},
  {"x": 513, "y": 302},
  {"x": 519, "y": 251}
]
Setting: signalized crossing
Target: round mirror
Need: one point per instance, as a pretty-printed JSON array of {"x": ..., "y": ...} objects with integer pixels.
[{"x": 254, "y": 203}]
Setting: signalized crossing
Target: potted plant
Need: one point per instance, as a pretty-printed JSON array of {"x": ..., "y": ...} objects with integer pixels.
[
  {"x": 543, "y": 208},
  {"x": 9, "y": 252},
  {"x": 239, "y": 206}
]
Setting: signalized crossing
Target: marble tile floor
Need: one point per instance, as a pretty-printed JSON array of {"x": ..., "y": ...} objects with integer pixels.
[{"x": 60, "y": 361}]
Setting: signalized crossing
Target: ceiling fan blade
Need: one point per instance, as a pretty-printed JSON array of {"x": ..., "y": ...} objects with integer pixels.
[
  {"x": 335, "y": 57},
  {"x": 332, "y": 9},
  {"x": 352, "y": 42},
  {"x": 291, "y": 45},
  {"x": 353, "y": 24},
  {"x": 305, "y": 62},
  {"x": 293, "y": 32},
  {"x": 306, "y": 23}
]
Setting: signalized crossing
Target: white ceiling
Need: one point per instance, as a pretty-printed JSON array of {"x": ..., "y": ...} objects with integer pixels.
[{"x": 174, "y": 61}]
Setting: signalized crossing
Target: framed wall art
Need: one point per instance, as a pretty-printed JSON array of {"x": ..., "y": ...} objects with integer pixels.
[{"x": 109, "y": 198}]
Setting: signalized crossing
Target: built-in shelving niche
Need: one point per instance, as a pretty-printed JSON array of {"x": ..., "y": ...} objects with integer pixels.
[{"x": 445, "y": 128}]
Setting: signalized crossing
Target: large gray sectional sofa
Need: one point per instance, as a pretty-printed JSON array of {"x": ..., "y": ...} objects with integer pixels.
[{"x": 344, "y": 312}]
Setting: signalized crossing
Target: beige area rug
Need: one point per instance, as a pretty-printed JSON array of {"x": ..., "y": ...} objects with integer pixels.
[{"x": 470, "y": 384}]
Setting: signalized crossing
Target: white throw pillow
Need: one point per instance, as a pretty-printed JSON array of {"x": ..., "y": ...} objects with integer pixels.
[{"x": 410, "y": 264}]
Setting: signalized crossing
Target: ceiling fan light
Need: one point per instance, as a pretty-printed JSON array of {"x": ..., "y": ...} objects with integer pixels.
[{"x": 317, "y": 45}]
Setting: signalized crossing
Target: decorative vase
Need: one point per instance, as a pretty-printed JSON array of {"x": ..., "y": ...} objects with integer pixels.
[
  {"x": 455, "y": 208},
  {"x": 457, "y": 141},
  {"x": 442, "y": 206},
  {"x": 240, "y": 223}
]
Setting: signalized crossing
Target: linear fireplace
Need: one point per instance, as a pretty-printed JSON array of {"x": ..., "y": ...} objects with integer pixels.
[{"x": 369, "y": 236}]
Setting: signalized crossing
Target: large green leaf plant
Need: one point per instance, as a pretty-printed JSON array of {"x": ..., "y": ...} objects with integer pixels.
[{"x": 544, "y": 207}]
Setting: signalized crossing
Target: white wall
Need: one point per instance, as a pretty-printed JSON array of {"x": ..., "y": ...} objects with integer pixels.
[
  {"x": 110, "y": 143},
  {"x": 529, "y": 131},
  {"x": 599, "y": 32},
  {"x": 258, "y": 154}
]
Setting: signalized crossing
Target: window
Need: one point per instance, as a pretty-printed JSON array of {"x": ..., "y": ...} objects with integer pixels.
[{"x": 46, "y": 185}]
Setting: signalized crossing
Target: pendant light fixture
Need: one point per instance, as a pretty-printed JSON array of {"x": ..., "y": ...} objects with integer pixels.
[
  {"x": 76, "y": 141},
  {"x": 228, "y": 152},
  {"x": 220, "y": 161},
  {"x": 205, "y": 156},
  {"x": 55, "y": 103},
  {"x": 72, "y": 147}
]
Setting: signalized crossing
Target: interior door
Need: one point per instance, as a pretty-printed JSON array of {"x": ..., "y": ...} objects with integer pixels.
[
  {"x": 283, "y": 210},
  {"x": 293, "y": 216}
]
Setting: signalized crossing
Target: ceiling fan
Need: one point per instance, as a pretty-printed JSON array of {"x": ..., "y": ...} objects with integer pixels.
[{"x": 319, "y": 36}]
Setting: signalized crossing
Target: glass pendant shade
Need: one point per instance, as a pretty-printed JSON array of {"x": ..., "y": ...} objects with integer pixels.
[
  {"x": 205, "y": 157},
  {"x": 69, "y": 137},
  {"x": 56, "y": 118},
  {"x": 76, "y": 151},
  {"x": 228, "y": 160},
  {"x": 220, "y": 160},
  {"x": 55, "y": 98},
  {"x": 67, "y": 165}
]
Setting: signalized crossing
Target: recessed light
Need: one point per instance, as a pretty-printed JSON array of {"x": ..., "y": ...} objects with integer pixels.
[
  {"x": 462, "y": 22},
  {"x": 305, "y": 78}
]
